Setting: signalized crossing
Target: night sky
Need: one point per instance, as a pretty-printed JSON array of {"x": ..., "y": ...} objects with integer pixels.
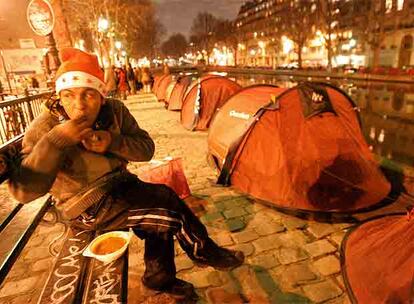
[{"x": 177, "y": 15}]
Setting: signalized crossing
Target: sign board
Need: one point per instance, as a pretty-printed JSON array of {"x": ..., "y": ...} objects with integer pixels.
[
  {"x": 20, "y": 61},
  {"x": 27, "y": 44},
  {"x": 40, "y": 17}
]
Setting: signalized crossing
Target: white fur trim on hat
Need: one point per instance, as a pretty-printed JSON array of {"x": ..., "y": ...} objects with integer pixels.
[{"x": 78, "y": 79}]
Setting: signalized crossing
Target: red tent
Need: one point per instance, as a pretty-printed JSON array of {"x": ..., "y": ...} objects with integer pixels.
[
  {"x": 157, "y": 80},
  {"x": 378, "y": 260},
  {"x": 299, "y": 148},
  {"x": 178, "y": 92},
  {"x": 161, "y": 90},
  {"x": 204, "y": 97},
  {"x": 169, "y": 90}
]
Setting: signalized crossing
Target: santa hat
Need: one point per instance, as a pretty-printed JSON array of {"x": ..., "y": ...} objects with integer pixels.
[{"x": 79, "y": 70}]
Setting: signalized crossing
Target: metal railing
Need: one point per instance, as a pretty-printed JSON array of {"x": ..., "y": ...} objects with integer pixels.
[{"x": 17, "y": 114}]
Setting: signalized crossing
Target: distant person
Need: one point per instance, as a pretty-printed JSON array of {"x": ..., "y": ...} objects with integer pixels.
[
  {"x": 146, "y": 80},
  {"x": 138, "y": 76},
  {"x": 131, "y": 80},
  {"x": 122, "y": 83},
  {"x": 166, "y": 70},
  {"x": 34, "y": 83}
]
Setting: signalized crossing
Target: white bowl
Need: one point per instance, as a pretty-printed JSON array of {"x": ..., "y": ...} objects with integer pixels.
[{"x": 110, "y": 257}]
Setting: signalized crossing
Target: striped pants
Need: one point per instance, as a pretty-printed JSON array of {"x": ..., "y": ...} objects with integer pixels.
[{"x": 156, "y": 214}]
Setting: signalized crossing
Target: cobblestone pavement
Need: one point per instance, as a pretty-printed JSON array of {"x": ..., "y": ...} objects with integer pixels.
[{"x": 288, "y": 260}]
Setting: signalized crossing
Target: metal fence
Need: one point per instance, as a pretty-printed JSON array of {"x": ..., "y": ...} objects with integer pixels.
[{"x": 16, "y": 114}]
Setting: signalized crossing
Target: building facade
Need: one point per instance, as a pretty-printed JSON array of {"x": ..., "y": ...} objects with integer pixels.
[{"x": 363, "y": 33}]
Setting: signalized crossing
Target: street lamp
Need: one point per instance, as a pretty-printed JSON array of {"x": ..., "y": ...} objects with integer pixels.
[
  {"x": 103, "y": 24},
  {"x": 118, "y": 45}
]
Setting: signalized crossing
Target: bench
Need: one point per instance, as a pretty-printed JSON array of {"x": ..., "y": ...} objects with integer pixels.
[{"x": 73, "y": 278}]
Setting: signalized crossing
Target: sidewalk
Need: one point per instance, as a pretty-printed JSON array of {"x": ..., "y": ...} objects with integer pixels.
[{"x": 288, "y": 260}]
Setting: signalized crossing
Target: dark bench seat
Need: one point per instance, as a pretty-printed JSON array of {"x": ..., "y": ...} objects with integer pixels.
[
  {"x": 73, "y": 278},
  {"x": 77, "y": 279}
]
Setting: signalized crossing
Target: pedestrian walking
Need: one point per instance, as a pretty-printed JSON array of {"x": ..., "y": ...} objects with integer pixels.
[
  {"x": 146, "y": 80},
  {"x": 131, "y": 80},
  {"x": 138, "y": 81},
  {"x": 122, "y": 83}
]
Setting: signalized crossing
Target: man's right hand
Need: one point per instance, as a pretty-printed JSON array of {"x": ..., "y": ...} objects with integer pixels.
[{"x": 74, "y": 130}]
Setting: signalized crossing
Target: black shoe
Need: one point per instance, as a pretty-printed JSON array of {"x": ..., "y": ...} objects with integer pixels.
[
  {"x": 218, "y": 257},
  {"x": 178, "y": 289}
]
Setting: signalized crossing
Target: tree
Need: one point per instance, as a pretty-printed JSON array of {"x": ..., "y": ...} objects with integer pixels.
[
  {"x": 327, "y": 19},
  {"x": 203, "y": 30},
  {"x": 298, "y": 21},
  {"x": 372, "y": 27},
  {"x": 226, "y": 32},
  {"x": 61, "y": 31},
  {"x": 131, "y": 21},
  {"x": 175, "y": 46}
]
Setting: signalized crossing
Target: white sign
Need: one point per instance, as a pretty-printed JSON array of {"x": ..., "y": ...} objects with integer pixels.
[
  {"x": 27, "y": 44},
  {"x": 40, "y": 17}
]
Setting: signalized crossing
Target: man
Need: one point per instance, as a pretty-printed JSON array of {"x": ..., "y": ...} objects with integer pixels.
[{"x": 78, "y": 152}]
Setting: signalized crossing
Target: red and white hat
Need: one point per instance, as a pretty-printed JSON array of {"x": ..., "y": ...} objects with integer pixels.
[{"x": 78, "y": 70}]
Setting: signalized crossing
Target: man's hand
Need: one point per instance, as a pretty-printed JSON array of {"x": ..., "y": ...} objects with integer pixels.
[
  {"x": 97, "y": 141},
  {"x": 74, "y": 130}
]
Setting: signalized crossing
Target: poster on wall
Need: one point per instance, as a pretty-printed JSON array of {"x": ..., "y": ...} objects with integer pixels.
[{"x": 23, "y": 61}]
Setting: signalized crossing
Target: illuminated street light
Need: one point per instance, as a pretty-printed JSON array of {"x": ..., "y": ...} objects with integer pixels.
[
  {"x": 103, "y": 24},
  {"x": 287, "y": 45},
  {"x": 123, "y": 53},
  {"x": 118, "y": 45}
]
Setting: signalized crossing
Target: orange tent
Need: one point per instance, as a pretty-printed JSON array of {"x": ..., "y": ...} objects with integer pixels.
[
  {"x": 169, "y": 90},
  {"x": 203, "y": 98},
  {"x": 157, "y": 80},
  {"x": 161, "y": 90},
  {"x": 377, "y": 260},
  {"x": 299, "y": 148},
  {"x": 177, "y": 95}
]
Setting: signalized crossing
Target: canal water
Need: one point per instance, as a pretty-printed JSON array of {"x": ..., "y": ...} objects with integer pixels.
[{"x": 386, "y": 110}]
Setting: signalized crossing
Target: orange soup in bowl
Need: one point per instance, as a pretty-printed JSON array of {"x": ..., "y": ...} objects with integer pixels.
[{"x": 109, "y": 245}]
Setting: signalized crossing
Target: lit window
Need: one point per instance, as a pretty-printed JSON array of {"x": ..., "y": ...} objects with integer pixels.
[
  {"x": 400, "y": 5},
  {"x": 388, "y": 5}
]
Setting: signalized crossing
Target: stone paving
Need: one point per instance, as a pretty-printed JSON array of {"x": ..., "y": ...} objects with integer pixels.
[{"x": 288, "y": 260}]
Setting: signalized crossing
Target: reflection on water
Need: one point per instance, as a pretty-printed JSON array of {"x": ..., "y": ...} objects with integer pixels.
[{"x": 387, "y": 111}]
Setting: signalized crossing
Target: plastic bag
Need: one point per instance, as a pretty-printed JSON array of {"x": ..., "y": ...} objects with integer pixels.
[{"x": 168, "y": 172}]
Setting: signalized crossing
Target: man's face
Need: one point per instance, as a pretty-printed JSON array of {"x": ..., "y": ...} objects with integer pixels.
[{"x": 81, "y": 102}]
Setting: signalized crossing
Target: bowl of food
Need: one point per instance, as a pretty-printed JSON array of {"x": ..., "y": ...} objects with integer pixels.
[{"x": 109, "y": 246}]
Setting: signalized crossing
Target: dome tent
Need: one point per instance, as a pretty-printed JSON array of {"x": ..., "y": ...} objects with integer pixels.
[
  {"x": 169, "y": 90},
  {"x": 161, "y": 90},
  {"x": 203, "y": 98},
  {"x": 157, "y": 81},
  {"x": 178, "y": 92},
  {"x": 377, "y": 260},
  {"x": 299, "y": 149}
]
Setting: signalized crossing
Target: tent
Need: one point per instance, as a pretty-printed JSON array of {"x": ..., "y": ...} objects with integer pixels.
[
  {"x": 203, "y": 98},
  {"x": 156, "y": 84},
  {"x": 178, "y": 92},
  {"x": 300, "y": 149},
  {"x": 377, "y": 260},
  {"x": 169, "y": 90},
  {"x": 161, "y": 90}
]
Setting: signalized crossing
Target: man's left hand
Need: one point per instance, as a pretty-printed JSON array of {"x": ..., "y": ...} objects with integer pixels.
[{"x": 97, "y": 141}]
